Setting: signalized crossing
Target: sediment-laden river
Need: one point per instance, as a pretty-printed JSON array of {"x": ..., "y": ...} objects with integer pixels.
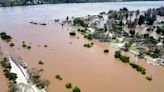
[{"x": 90, "y": 69}]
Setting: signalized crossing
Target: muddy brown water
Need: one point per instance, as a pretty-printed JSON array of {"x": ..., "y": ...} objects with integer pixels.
[
  {"x": 4, "y": 82},
  {"x": 88, "y": 68}
]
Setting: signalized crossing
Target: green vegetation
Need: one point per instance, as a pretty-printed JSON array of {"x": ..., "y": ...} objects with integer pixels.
[
  {"x": 72, "y": 33},
  {"x": 36, "y": 78},
  {"x": 88, "y": 36},
  {"x": 80, "y": 22},
  {"x": 117, "y": 54},
  {"x": 24, "y": 45},
  {"x": 5, "y": 37},
  {"x": 76, "y": 89},
  {"x": 40, "y": 85},
  {"x": 41, "y": 62},
  {"x": 149, "y": 78},
  {"x": 88, "y": 45},
  {"x": 9, "y": 75},
  {"x": 82, "y": 30},
  {"x": 68, "y": 85},
  {"x": 100, "y": 34},
  {"x": 138, "y": 68},
  {"x": 58, "y": 77},
  {"x": 124, "y": 59},
  {"x": 106, "y": 51}
]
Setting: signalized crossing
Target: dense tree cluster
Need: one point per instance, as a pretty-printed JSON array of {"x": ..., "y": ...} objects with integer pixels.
[
  {"x": 123, "y": 58},
  {"x": 80, "y": 22}
]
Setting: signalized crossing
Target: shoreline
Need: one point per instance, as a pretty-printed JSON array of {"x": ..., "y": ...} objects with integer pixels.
[
  {"x": 1, "y": 5},
  {"x": 148, "y": 59}
]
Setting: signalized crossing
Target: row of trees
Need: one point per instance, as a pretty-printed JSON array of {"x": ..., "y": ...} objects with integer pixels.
[{"x": 125, "y": 59}]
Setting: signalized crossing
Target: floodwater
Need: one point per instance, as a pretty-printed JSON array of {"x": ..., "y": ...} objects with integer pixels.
[
  {"x": 88, "y": 68},
  {"x": 4, "y": 81}
]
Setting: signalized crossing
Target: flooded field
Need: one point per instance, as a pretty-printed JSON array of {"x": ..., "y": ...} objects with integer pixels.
[{"x": 88, "y": 68}]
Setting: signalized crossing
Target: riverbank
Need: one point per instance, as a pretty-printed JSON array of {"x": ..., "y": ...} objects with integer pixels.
[
  {"x": 12, "y": 3},
  {"x": 22, "y": 82}
]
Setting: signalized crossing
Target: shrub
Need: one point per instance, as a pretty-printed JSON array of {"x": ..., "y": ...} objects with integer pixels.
[
  {"x": 39, "y": 86},
  {"x": 82, "y": 30},
  {"x": 76, "y": 89},
  {"x": 5, "y": 63},
  {"x": 148, "y": 78},
  {"x": 29, "y": 47},
  {"x": 88, "y": 45},
  {"x": 92, "y": 43},
  {"x": 12, "y": 44},
  {"x": 68, "y": 85},
  {"x": 24, "y": 45},
  {"x": 42, "y": 83},
  {"x": 106, "y": 51},
  {"x": 41, "y": 69},
  {"x": 5, "y": 37},
  {"x": 45, "y": 46},
  {"x": 40, "y": 62},
  {"x": 9, "y": 75},
  {"x": 88, "y": 36},
  {"x": 117, "y": 54},
  {"x": 72, "y": 33},
  {"x": 124, "y": 59},
  {"x": 58, "y": 77}
]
